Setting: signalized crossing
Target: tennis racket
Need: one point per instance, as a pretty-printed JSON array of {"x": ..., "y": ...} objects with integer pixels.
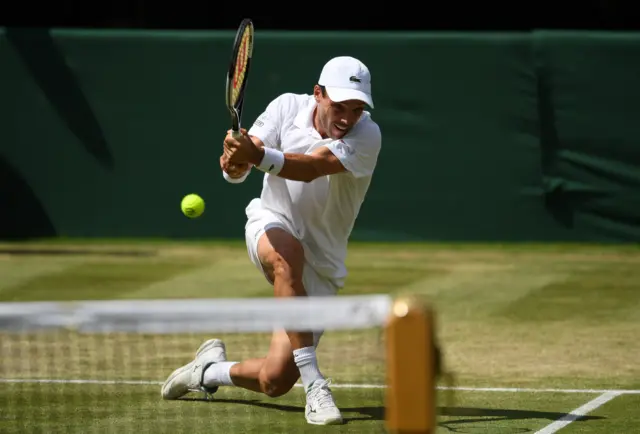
[{"x": 239, "y": 73}]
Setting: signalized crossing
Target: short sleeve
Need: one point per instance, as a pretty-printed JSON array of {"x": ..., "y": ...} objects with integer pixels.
[
  {"x": 358, "y": 154},
  {"x": 268, "y": 125}
]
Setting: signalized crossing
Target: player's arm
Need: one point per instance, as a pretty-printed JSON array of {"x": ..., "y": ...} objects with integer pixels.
[
  {"x": 258, "y": 147},
  {"x": 296, "y": 167}
]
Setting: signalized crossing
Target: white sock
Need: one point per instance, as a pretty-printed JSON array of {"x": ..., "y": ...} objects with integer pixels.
[
  {"x": 218, "y": 374},
  {"x": 307, "y": 363}
]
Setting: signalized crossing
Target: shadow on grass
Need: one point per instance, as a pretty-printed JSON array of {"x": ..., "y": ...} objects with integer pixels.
[
  {"x": 483, "y": 415},
  {"x": 376, "y": 413},
  {"x": 366, "y": 413}
]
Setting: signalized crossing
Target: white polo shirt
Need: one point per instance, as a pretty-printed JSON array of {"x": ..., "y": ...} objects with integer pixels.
[{"x": 322, "y": 213}]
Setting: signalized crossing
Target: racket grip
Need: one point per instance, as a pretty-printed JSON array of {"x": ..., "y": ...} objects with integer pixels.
[{"x": 236, "y": 134}]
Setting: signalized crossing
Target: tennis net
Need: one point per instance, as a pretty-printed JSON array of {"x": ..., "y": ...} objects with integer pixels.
[{"x": 98, "y": 366}]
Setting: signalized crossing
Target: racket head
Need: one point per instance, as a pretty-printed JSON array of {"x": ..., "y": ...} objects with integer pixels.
[{"x": 238, "y": 72}]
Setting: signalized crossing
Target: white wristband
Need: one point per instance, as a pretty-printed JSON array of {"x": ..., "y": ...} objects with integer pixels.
[
  {"x": 272, "y": 161},
  {"x": 235, "y": 180}
]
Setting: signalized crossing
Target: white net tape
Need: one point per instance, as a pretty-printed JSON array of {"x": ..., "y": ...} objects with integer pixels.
[{"x": 199, "y": 315}]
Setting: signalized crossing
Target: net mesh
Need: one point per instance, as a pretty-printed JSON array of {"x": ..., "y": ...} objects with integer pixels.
[{"x": 98, "y": 366}]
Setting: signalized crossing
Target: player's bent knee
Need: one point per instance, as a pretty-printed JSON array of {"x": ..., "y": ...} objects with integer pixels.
[{"x": 274, "y": 386}]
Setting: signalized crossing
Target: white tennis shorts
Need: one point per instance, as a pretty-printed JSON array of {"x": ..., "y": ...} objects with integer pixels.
[{"x": 259, "y": 221}]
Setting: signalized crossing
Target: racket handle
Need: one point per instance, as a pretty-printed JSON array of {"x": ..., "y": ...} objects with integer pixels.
[{"x": 236, "y": 135}]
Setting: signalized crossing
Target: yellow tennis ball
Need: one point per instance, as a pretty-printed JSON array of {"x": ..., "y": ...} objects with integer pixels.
[{"x": 192, "y": 206}]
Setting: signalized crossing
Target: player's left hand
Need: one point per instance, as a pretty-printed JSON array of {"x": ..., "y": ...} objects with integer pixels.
[
  {"x": 241, "y": 149},
  {"x": 234, "y": 170}
]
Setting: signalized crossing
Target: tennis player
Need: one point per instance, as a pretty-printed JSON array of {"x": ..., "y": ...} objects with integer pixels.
[{"x": 318, "y": 153}]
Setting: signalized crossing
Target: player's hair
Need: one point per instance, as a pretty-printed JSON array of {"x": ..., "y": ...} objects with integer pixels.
[{"x": 324, "y": 91}]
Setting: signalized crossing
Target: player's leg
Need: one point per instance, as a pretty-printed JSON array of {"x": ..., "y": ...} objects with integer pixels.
[
  {"x": 282, "y": 260},
  {"x": 281, "y": 257},
  {"x": 273, "y": 375}
]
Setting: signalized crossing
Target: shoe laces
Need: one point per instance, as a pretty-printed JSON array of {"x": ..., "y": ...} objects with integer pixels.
[{"x": 320, "y": 393}]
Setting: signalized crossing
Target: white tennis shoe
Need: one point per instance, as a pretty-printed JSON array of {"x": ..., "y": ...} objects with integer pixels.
[
  {"x": 188, "y": 378},
  {"x": 321, "y": 408}
]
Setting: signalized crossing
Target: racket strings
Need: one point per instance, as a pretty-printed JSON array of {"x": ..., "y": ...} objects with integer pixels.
[{"x": 241, "y": 66}]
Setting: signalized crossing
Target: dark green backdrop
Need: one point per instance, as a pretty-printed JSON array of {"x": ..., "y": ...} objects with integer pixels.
[{"x": 504, "y": 137}]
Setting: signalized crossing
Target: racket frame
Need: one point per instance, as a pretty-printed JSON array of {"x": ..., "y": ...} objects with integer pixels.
[{"x": 235, "y": 110}]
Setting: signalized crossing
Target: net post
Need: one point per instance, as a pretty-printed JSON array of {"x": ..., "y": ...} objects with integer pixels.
[{"x": 411, "y": 371}]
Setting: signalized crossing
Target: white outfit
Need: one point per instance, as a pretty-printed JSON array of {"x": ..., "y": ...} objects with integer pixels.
[{"x": 321, "y": 213}]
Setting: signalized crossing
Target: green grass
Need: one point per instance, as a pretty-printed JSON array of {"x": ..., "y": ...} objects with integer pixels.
[{"x": 509, "y": 315}]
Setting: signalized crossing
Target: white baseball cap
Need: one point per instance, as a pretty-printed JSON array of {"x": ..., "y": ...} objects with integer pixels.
[{"x": 346, "y": 78}]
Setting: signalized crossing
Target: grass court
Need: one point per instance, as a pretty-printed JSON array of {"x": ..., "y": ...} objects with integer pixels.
[{"x": 541, "y": 338}]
